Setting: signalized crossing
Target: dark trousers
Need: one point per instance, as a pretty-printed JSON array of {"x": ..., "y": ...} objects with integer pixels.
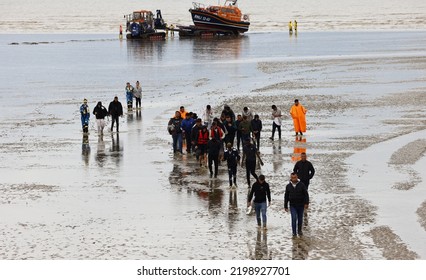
[
  {"x": 238, "y": 140},
  {"x": 250, "y": 169},
  {"x": 114, "y": 119},
  {"x": 213, "y": 159},
  {"x": 188, "y": 141},
  {"x": 306, "y": 182},
  {"x": 232, "y": 172},
  {"x": 257, "y": 138},
  {"x": 278, "y": 127},
  {"x": 138, "y": 102}
]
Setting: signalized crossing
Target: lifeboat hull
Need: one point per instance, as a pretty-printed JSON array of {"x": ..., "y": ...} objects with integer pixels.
[{"x": 210, "y": 21}]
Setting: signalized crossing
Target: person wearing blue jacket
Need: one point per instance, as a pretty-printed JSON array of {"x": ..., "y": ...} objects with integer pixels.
[
  {"x": 186, "y": 126},
  {"x": 85, "y": 116}
]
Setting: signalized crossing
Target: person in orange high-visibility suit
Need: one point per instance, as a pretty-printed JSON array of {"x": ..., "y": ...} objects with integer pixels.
[{"x": 298, "y": 113}]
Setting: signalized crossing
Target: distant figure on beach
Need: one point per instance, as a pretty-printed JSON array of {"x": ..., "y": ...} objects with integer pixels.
[
  {"x": 172, "y": 30},
  {"x": 261, "y": 192},
  {"x": 121, "y": 32},
  {"x": 290, "y": 28},
  {"x": 295, "y": 26},
  {"x": 129, "y": 96},
  {"x": 304, "y": 170},
  {"x": 248, "y": 113},
  {"x": 232, "y": 157},
  {"x": 100, "y": 113},
  {"x": 276, "y": 123},
  {"x": 249, "y": 159},
  {"x": 137, "y": 93},
  {"x": 208, "y": 116},
  {"x": 213, "y": 148},
  {"x": 297, "y": 195},
  {"x": 298, "y": 113},
  {"x": 85, "y": 116},
  {"x": 115, "y": 109},
  {"x": 174, "y": 128}
]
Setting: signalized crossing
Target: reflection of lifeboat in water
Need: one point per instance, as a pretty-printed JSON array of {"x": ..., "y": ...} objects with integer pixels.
[
  {"x": 226, "y": 18},
  {"x": 142, "y": 24}
]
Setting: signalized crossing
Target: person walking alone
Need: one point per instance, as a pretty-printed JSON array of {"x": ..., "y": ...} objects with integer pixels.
[
  {"x": 297, "y": 194},
  {"x": 261, "y": 192},
  {"x": 276, "y": 123},
  {"x": 304, "y": 170},
  {"x": 249, "y": 158},
  {"x": 115, "y": 109},
  {"x": 298, "y": 113}
]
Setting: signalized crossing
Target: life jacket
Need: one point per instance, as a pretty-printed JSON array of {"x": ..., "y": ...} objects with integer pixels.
[
  {"x": 203, "y": 137},
  {"x": 216, "y": 133}
]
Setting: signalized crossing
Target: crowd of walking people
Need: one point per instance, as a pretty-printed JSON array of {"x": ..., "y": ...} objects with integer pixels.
[
  {"x": 235, "y": 139},
  {"x": 225, "y": 137}
]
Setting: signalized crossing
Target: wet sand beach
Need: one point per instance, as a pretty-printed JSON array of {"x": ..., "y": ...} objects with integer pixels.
[{"x": 126, "y": 196}]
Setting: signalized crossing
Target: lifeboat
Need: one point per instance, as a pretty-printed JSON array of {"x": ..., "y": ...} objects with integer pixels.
[
  {"x": 226, "y": 18},
  {"x": 143, "y": 24}
]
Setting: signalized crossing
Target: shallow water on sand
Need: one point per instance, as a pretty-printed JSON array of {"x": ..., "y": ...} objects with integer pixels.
[{"x": 124, "y": 196}]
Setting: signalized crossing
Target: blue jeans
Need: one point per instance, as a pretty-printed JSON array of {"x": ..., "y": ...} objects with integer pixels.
[
  {"x": 260, "y": 207},
  {"x": 177, "y": 142},
  {"x": 297, "y": 218}
]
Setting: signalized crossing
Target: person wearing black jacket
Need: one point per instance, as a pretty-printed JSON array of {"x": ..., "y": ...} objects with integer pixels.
[
  {"x": 100, "y": 113},
  {"x": 256, "y": 127},
  {"x": 297, "y": 194},
  {"x": 232, "y": 157},
  {"x": 304, "y": 170},
  {"x": 174, "y": 128},
  {"x": 261, "y": 192},
  {"x": 213, "y": 146},
  {"x": 115, "y": 109}
]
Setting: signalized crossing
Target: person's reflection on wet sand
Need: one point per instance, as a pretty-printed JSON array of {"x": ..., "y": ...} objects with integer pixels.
[
  {"x": 215, "y": 197},
  {"x": 300, "y": 249},
  {"x": 261, "y": 251},
  {"x": 138, "y": 115},
  {"x": 232, "y": 208},
  {"x": 85, "y": 149},
  {"x": 116, "y": 148},
  {"x": 299, "y": 147},
  {"x": 100, "y": 153},
  {"x": 277, "y": 160}
]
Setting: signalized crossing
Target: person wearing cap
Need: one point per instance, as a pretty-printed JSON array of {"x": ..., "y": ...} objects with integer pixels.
[
  {"x": 298, "y": 113},
  {"x": 85, "y": 116},
  {"x": 115, "y": 109},
  {"x": 100, "y": 113},
  {"x": 232, "y": 157}
]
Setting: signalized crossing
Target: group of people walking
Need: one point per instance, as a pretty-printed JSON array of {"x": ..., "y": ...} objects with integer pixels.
[
  {"x": 115, "y": 109},
  {"x": 212, "y": 139}
]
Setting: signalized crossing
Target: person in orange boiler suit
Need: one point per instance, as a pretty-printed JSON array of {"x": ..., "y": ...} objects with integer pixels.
[{"x": 298, "y": 113}]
